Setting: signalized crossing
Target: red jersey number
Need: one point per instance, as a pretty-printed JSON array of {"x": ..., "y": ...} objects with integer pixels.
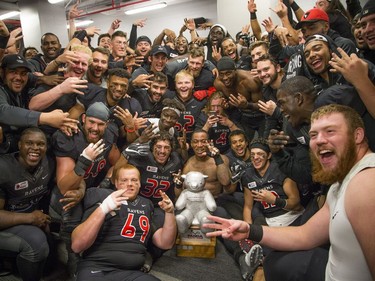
[
  {"x": 188, "y": 124},
  {"x": 129, "y": 230},
  {"x": 151, "y": 189}
]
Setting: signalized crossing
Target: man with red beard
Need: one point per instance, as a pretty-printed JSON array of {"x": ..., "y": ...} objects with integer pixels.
[
  {"x": 97, "y": 70},
  {"x": 342, "y": 158}
]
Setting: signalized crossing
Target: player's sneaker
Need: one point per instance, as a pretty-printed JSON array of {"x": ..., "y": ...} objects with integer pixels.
[{"x": 246, "y": 245}]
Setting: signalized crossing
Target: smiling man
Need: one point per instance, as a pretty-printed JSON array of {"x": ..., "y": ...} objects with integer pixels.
[
  {"x": 368, "y": 24},
  {"x": 347, "y": 218},
  {"x": 97, "y": 70},
  {"x": 157, "y": 61},
  {"x": 243, "y": 91},
  {"x": 51, "y": 49},
  {"x": 24, "y": 184},
  {"x": 296, "y": 98},
  {"x": 63, "y": 96},
  {"x": 15, "y": 70},
  {"x": 117, "y": 228},
  {"x": 83, "y": 160},
  {"x": 151, "y": 99}
]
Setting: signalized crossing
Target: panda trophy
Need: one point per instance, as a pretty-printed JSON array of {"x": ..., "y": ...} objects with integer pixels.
[{"x": 195, "y": 202}]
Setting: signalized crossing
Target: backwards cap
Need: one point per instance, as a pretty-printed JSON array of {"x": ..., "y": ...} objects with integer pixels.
[{"x": 98, "y": 110}]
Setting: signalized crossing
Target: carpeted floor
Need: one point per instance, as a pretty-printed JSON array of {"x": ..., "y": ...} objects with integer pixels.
[
  {"x": 222, "y": 267},
  {"x": 172, "y": 268}
]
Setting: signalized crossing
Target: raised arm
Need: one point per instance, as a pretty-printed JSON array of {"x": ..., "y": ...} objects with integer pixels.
[
  {"x": 4, "y": 38},
  {"x": 255, "y": 27}
]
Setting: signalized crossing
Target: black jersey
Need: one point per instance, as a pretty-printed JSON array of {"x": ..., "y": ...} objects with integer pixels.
[
  {"x": 189, "y": 117},
  {"x": 150, "y": 109},
  {"x": 272, "y": 181},
  {"x": 72, "y": 146},
  {"x": 218, "y": 133},
  {"x": 122, "y": 239},
  {"x": 98, "y": 94},
  {"x": 22, "y": 190},
  {"x": 237, "y": 167},
  {"x": 155, "y": 177}
]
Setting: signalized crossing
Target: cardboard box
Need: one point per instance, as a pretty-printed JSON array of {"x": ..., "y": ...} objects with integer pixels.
[{"x": 195, "y": 244}]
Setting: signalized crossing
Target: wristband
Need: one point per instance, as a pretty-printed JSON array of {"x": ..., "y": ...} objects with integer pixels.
[
  {"x": 281, "y": 203},
  {"x": 294, "y": 6},
  {"x": 253, "y": 16},
  {"x": 129, "y": 130},
  {"x": 255, "y": 233},
  {"x": 82, "y": 165},
  {"x": 4, "y": 42},
  {"x": 81, "y": 35},
  {"x": 218, "y": 160}
]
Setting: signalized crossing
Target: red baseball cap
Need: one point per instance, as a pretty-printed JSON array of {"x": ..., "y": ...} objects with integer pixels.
[{"x": 312, "y": 16}]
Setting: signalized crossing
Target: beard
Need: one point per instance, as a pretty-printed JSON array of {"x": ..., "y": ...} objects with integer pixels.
[{"x": 345, "y": 164}]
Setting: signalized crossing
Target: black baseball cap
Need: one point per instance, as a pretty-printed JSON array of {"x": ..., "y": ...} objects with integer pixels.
[
  {"x": 368, "y": 8},
  {"x": 15, "y": 61},
  {"x": 159, "y": 49},
  {"x": 143, "y": 38}
]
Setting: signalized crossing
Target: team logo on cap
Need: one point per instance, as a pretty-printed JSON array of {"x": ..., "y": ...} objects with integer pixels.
[{"x": 306, "y": 15}]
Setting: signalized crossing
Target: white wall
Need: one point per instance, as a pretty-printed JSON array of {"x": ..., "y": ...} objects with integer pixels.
[
  {"x": 170, "y": 17},
  {"x": 233, "y": 14}
]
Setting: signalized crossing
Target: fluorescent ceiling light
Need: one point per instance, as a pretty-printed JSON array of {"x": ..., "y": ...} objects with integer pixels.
[
  {"x": 9, "y": 15},
  {"x": 146, "y": 8},
  {"x": 55, "y": 1},
  {"x": 82, "y": 23}
]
